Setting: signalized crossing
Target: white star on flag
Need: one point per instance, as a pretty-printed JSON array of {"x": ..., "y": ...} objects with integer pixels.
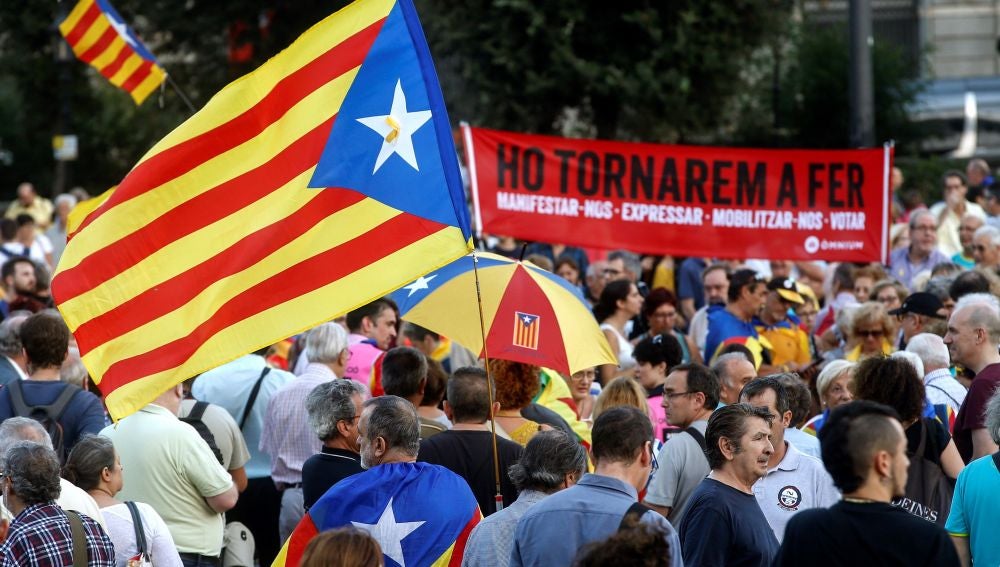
[
  {"x": 122, "y": 30},
  {"x": 397, "y": 129},
  {"x": 390, "y": 534},
  {"x": 419, "y": 284}
]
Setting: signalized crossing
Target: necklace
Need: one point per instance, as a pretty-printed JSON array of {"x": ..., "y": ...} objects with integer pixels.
[{"x": 859, "y": 500}]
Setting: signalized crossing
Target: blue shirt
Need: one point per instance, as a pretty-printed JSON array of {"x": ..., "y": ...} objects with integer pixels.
[
  {"x": 975, "y": 510},
  {"x": 725, "y": 527},
  {"x": 689, "y": 285},
  {"x": 83, "y": 414},
  {"x": 903, "y": 270},
  {"x": 725, "y": 328},
  {"x": 554, "y": 530},
  {"x": 490, "y": 541},
  {"x": 229, "y": 386}
]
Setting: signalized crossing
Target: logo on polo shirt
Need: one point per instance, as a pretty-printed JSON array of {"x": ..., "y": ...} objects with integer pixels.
[{"x": 789, "y": 498}]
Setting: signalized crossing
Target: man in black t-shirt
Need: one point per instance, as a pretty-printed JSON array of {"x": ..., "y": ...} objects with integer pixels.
[
  {"x": 467, "y": 449},
  {"x": 334, "y": 409},
  {"x": 864, "y": 449}
]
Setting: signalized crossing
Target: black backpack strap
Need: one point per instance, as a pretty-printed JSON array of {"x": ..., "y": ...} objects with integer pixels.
[
  {"x": 197, "y": 411},
  {"x": 253, "y": 397},
  {"x": 945, "y": 392},
  {"x": 17, "y": 399},
  {"x": 80, "y": 555},
  {"x": 698, "y": 437},
  {"x": 633, "y": 515},
  {"x": 140, "y": 532},
  {"x": 54, "y": 411}
]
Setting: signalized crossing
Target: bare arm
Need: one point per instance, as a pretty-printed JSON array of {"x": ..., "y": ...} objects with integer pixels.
[
  {"x": 239, "y": 478},
  {"x": 982, "y": 444},
  {"x": 693, "y": 349},
  {"x": 962, "y": 547},
  {"x": 225, "y": 501},
  {"x": 951, "y": 461},
  {"x": 687, "y": 308},
  {"x": 663, "y": 510}
]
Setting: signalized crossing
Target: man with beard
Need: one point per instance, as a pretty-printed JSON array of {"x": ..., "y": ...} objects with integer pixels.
[
  {"x": 19, "y": 282},
  {"x": 733, "y": 323},
  {"x": 396, "y": 496},
  {"x": 723, "y": 524},
  {"x": 864, "y": 449}
]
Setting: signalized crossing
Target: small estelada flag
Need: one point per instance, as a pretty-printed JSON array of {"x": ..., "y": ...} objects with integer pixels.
[
  {"x": 526, "y": 330},
  {"x": 100, "y": 38}
]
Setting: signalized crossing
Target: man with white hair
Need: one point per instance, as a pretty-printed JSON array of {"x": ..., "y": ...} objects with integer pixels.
[
  {"x": 972, "y": 339},
  {"x": 287, "y": 435},
  {"x": 941, "y": 386},
  {"x": 986, "y": 247}
]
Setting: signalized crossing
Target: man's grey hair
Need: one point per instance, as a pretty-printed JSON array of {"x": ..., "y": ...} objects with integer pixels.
[
  {"x": 931, "y": 350},
  {"x": 395, "y": 420},
  {"x": 73, "y": 371},
  {"x": 939, "y": 287},
  {"x": 630, "y": 260},
  {"x": 917, "y": 214},
  {"x": 13, "y": 430},
  {"x": 993, "y": 416},
  {"x": 325, "y": 343},
  {"x": 65, "y": 198},
  {"x": 988, "y": 231},
  {"x": 33, "y": 470},
  {"x": 548, "y": 457},
  {"x": 330, "y": 403},
  {"x": 721, "y": 366},
  {"x": 912, "y": 358},
  {"x": 985, "y": 315}
]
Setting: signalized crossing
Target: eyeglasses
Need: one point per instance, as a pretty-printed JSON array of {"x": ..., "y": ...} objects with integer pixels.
[
  {"x": 924, "y": 228},
  {"x": 979, "y": 248},
  {"x": 871, "y": 334},
  {"x": 673, "y": 395},
  {"x": 611, "y": 272}
]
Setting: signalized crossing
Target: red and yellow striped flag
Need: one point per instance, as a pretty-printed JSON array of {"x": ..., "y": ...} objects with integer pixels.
[
  {"x": 100, "y": 38},
  {"x": 215, "y": 244}
]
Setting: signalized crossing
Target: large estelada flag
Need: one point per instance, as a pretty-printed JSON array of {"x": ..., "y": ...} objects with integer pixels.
[
  {"x": 420, "y": 514},
  {"x": 325, "y": 179},
  {"x": 100, "y": 38}
]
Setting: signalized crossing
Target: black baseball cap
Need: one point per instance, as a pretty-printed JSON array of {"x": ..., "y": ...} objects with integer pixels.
[
  {"x": 921, "y": 303},
  {"x": 786, "y": 289}
]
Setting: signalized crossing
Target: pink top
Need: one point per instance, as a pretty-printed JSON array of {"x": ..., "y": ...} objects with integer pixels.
[
  {"x": 363, "y": 354},
  {"x": 657, "y": 415}
]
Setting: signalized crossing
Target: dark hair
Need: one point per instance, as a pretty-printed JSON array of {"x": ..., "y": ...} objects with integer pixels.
[
  {"x": 516, "y": 383},
  {"x": 972, "y": 281},
  {"x": 437, "y": 380},
  {"x": 88, "y": 459},
  {"x": 7, "y": 270},
  {"x": 843, "y": 276},
  {"x": 892, "y": 382},
  {"x": 954, "y": 173},
  {"x": 730, "y": 422},
  {"x": 655, "y": 299},
  {"x": 469, "y": 397},
  {"x": 343, "y": 547},
  {"x": 569, "y": 261},
  {"x": 701, "y": 378},
  {"x": 33, "y": 470},
  {"x": 741, "y": 279},
  {"x": 548, "y": 457},
  {"x": 613, "y": 292},
  {"x": 46, "y": 340},
  {"x": 716, "y": 266},
  {"x": 851, "y": 436},
  {"x": 758, "y": 386},
  {"x": 395, "y": 420},
  {"x": 637, "y": 544},
  {"x": 403, "y": 368},
  {"x": 24, "y": 219},
  {"x": 619, "y": 434},
  {"x": 371, "y": 310},
  {"x": 8, "y": 229},
  {"x": 417, "y": 333},
  {"x": 659, "y": 349},
  {"x": 799, "y": 398}
]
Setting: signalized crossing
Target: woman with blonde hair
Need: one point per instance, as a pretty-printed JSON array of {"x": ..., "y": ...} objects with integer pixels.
[
  {"x": 622, "y": 391},
  {"x": 871, "y": 331}
]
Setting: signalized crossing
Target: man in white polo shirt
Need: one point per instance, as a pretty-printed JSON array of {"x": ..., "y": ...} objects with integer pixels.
[{"x": 794, "y": 481}]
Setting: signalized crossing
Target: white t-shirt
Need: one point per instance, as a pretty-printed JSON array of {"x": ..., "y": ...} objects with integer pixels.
[
  {"x": 799, "y": 482},
  {"x": 121, "y": 530}
]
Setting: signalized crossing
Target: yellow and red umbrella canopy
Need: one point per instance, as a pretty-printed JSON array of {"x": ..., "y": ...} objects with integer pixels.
[{"x": 530, "y": 315}]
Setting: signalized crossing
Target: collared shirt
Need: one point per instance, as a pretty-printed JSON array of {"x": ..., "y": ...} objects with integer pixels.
[
  {"x": 943, "y": 388},
  {"x": 17, "y": 367},
  {"x": 797, "y": 483},
  {"x": 553, "y": 531},
  {"x": 172, "y": 469},
  {"x": 229, "y": 386},
  {"x": 287, "y": 436},
  {"x": 41, "y": 535},
  {"x": 325, "y": 469},
  {"x": 804, "y": 442},
  {"x": 904, "y": 270},
  {"x": 491, "y": 540}
]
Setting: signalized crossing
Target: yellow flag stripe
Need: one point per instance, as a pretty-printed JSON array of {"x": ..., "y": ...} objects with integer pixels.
[
  {"x": 94, "y": 33},
  {"x": 109, "y": 55},
  {"x": 130, "y": 65},
  {"x": 74, "y": 16},
  {"x": 437, "y": 249},
  {"x": 149, "y": 84}
]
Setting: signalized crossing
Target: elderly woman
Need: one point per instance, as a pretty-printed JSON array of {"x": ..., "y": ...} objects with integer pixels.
[
  {"x": 580, "y": 388},
  {"x": 516, "y": 383},
  {"x": 834, "y": 388},
  {"x": 660, "y": 312},
  {"x": 889, "y": 293},
  {"x": 620, "y": 302},
  {"x": 871, "y": 332},
  {"x": 94, "y": 466}
]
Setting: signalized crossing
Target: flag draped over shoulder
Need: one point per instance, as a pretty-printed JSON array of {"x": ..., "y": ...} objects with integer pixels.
[
  {"x": 323, "y": 180},
  {"x": 99, "y": 37},
  {"x": 420, "y": 514}
]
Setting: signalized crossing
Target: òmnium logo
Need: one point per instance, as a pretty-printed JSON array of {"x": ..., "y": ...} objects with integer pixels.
[
  {"x": 812, "y": 244},
  {"x": 789, "y": 498}
]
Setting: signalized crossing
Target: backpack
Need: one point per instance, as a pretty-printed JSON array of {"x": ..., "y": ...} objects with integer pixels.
[
  {"x": 193, "y": 419},
  {"x": 48, "y": 416},
  {"x": 928, "y": 490}
]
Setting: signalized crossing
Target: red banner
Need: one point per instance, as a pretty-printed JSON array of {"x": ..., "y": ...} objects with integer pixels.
[{"x": 682, "y": 200}]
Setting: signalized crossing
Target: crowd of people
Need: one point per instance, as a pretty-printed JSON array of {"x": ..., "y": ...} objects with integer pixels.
[{"x": 759, "y": 413}]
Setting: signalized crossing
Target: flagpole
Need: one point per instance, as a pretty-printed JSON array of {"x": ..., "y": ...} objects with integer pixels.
[
  {"x": 489, "y": 381},
  {"x": 180, "y": 93}
]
